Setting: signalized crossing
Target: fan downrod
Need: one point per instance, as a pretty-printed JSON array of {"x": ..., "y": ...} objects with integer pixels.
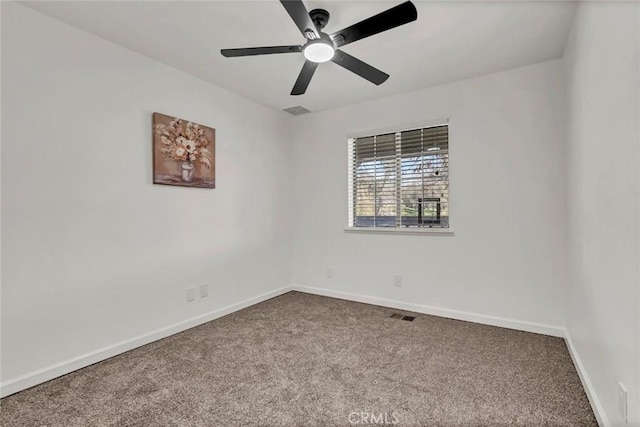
[{"x": 320, "y": 17}]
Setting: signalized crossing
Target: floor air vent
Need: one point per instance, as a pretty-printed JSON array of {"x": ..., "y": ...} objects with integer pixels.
[{"x": 402, "y": 317}]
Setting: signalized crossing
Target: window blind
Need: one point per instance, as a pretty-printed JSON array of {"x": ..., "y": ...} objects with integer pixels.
[{"x": 400, "y": 179}]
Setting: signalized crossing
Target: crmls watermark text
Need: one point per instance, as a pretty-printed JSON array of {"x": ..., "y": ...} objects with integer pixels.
[{"x": 373, "y": 418}]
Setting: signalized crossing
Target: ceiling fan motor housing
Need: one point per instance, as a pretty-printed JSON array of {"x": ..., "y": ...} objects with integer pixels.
[{"x": 324, "y": 39}]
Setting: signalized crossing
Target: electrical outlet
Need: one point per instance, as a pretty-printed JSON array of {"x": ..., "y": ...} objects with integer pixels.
[
  {"x": 204, "y": 290},
  {"x": 397, "y": 281},
  {"x": 191, "y": 294},
  {"x": 329, "y": 273},
  {"x": 622, "y": 401}
]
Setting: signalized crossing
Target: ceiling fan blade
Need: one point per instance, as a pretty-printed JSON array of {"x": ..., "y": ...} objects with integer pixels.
[
  {"x": 362, "y": 69},
  {"x": 301, "y": 17},
  {"x": 304, "y": 78},
  {"x": 248, "y": 51},
  {"x": 394, "y": 17}
]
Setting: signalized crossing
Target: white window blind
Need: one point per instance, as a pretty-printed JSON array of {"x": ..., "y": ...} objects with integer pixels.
[{"x": 400, "y": 179}]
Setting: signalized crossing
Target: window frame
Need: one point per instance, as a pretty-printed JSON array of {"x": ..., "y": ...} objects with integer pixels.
[{"x": 394, "y": 230}]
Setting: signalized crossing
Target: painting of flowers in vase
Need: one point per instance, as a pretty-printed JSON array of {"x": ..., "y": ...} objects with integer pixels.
[{"x": 183, "y": 152}]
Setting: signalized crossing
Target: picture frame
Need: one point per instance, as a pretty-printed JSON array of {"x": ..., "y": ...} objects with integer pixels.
[{"x": 183, "y": 152}]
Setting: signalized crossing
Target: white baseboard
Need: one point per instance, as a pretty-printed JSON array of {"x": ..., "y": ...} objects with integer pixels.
[
  {"x": 34, "y": 378},
  {"x": 598, "y": 410},
  {"x": 484, "y": 319}
]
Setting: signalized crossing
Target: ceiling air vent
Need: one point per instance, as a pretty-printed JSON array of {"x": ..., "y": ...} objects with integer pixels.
[{"x": 297, "y": 110}]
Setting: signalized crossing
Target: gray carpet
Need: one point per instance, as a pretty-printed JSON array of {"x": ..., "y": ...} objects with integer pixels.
[{"x": 304, "y": 360}]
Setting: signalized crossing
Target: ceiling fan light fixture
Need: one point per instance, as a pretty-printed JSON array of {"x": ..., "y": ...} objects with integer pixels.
[{"x": 319, "y": 51}]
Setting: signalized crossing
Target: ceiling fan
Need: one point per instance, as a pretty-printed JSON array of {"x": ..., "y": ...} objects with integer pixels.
[{"x": 323, "y": 47}]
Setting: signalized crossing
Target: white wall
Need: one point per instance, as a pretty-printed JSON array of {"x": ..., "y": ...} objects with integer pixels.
[
  {"x": 93, "y": 253},
  {"x": 603, "y": 190},
  {"x": 506, "y": 162}
]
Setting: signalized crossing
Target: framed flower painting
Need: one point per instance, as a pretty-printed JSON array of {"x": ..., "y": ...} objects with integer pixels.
[{"x": 183, "y": 152}]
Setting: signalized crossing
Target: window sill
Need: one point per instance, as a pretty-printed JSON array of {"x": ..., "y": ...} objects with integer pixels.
[{"x": 406, "y": 230}]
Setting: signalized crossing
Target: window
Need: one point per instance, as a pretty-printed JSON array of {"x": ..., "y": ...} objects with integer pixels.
[{"x": 400, "y": 179}]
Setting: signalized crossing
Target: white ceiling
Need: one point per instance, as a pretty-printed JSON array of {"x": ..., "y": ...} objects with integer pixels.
[{"x": 450, "y": 41}]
